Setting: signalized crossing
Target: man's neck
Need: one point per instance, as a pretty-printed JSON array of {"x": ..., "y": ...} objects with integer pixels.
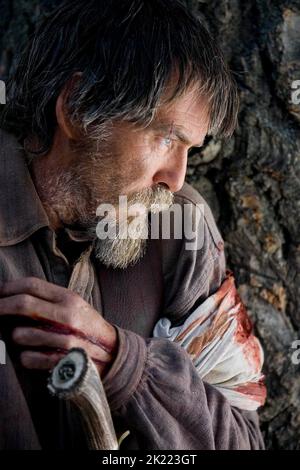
[
  {"x": 39, "y": 170},
  {"x": 42, "y": 169},
  {"x": 54, "y": 220}
]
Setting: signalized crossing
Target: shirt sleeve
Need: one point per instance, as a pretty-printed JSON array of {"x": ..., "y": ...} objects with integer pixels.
[
  {"x": 156, "y": 390},
  {"x": 153, "y": 385}
]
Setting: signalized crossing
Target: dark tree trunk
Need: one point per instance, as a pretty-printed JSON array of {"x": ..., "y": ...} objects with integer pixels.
[{"x": 252, "y": 182}]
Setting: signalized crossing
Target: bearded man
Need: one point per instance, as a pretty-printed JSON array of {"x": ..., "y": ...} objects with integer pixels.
[{"x": 108, "y": 100}]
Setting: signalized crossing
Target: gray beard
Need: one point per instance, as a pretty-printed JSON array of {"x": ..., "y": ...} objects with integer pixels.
[
  {"x": 63, "y": 193},
  {"x": 120, "y": 253},
  {"x": 117, "y": 252}
]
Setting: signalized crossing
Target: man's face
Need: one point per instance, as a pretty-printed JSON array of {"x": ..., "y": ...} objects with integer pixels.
[
  {"x": 157, "y": 155},
  {"x": 145, "y": 164}
]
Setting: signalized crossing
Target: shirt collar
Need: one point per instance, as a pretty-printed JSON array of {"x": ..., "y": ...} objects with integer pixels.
[{"x": 21, "y": 210}]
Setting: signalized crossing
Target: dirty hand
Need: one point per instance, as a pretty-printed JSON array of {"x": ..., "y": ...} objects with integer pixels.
[{"x": 62, "y": 320}]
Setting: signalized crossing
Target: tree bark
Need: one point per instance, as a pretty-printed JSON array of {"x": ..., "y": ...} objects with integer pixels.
[{"x": 252, "y": 181}]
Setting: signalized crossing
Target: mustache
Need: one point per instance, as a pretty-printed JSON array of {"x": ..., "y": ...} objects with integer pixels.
[{"x": 154, "y": 199}]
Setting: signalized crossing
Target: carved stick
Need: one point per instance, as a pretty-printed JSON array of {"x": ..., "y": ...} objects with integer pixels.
[{"x": 76, "y": 378}]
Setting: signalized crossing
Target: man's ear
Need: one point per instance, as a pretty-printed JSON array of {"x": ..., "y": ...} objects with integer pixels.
[{"x": 61, "y": 115}]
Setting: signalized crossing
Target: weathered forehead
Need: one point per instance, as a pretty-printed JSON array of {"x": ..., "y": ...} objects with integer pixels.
[
  {"x": 190, "y": 103},
  {"x": 187, "y": 114}
]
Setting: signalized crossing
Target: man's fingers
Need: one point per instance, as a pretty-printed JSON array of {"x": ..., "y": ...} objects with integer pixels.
[
  {"x": 33, "y": 286},
  {"x": 28, "y": 306},
  {"x": 28, "y": 336},
  {"x": 36, "y": 337},
  {"x": 47, "y": 361},
  {"x": 39, "y": 360}
]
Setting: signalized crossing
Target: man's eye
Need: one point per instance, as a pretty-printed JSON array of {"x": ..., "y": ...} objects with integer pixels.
[{"x": 167, "y": 141}]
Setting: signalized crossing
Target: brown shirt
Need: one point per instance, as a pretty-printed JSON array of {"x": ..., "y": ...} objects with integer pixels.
[{"x": 152, "y": 387}]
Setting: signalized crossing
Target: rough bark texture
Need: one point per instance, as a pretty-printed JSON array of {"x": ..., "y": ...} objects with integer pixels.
[{"x": 252, "y": 182}]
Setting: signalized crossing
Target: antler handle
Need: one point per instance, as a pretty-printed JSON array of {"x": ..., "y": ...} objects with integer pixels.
[{"x": 76, "y": 378}]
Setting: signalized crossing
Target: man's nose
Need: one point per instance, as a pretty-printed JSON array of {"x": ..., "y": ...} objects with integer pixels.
[{"x": 172, "y": 173}]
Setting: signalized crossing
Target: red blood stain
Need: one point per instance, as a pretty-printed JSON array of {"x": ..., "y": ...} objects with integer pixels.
[
  {"x": 244, "y": 327},
  {"x": 63, "y": 352},
  {"x": 59, "y": 328},
  {"x": 243, "y": 334},
  {"x": 255, "y": 390}
]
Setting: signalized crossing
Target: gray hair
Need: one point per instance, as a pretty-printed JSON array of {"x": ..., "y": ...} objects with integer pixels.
[{"x": 126, "y": 53}]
